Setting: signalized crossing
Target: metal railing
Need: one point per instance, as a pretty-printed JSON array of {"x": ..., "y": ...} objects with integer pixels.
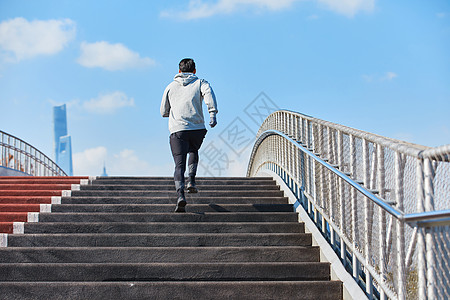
[
  {"x": 21, "y": 156},
  {"x": 382, "y": 204}
]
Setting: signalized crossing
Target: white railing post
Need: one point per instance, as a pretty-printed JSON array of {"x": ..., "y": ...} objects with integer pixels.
[
  {"x": 331, "y": 185},
  {"x": 382, "y": 220},
  {"x": 429, "y": 173},
  {"x": 354, "y": 218},
  {"x": 320, "y": 146},
  {"x": 341, "y": 196},
  {"x": 367, "y": 217},
  {"x": 421, "y": 254},
  {"x": 399, "y": 193}
]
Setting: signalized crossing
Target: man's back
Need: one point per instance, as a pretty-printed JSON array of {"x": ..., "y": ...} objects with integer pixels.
[{"x": 182, "y": 102}]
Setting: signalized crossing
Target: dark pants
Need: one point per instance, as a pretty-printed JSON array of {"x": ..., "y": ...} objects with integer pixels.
[{"x": 182, "y": 143}]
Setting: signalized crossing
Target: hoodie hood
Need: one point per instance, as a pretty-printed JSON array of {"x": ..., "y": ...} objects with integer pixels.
[{"x": 185, "y": 78}]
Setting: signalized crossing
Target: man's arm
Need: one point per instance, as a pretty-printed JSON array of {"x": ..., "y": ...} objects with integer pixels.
[
  {"x": 210, "y": 100},
  {"x": 165, "y": 104}
]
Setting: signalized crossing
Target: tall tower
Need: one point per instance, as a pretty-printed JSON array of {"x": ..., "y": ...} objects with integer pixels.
[
  {"x": 63, "y": 141},
  {"x": 104, "y": 174}
]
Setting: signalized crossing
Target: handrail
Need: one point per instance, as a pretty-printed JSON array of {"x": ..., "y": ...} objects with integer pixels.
[
  {"x": 395, "y": 213},
  {"x": 26, "y": 158},
  {"x": 397, "y": 145},
  {"x": 399, "y": 215},
  {"x": 339, "y": 173}
]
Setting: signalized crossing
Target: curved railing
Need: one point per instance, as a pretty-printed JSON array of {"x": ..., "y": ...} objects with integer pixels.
[
  {"x": 20, "y": 156},
  {"x": 382, "y": 204}
]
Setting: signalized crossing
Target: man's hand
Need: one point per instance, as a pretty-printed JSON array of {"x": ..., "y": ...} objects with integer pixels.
[{"x": 213, "y": 121}]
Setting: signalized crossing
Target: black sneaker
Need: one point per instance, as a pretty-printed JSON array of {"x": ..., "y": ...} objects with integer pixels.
[
  {"x": 181, "y": 204},
  {"x": 191, "y": 187}
]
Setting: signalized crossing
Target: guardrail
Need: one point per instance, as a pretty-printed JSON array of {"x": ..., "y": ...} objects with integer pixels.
[
  {"x": 18, "y": 155},
  {"x": 381, "y": 203}
]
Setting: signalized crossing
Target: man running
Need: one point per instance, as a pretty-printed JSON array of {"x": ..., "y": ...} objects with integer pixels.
[{"x": 182, "y": 104}]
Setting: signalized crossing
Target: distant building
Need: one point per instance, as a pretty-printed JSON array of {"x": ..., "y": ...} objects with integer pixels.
[
  {"x": 63, "y": 141},
  {"x": 104, "y": 171}
]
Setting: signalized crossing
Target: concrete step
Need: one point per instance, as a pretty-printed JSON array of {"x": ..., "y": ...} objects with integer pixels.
[
  {"x": 159, "y": 239},
  {"x": 160, "y": 187},
  {"x": 165, "y": 227},
  {"x": 165, "y": 271},
  {"x": 170, "y": 217},
  {"x": 13, "y": 216},
  {"x": 48, "y": 178},
  {"x": 170, "y": 182},
  {"x": 20, "y": 207},
  {"x": 34, "y": 187},
  {"x": 25, "y": 199},
  {"x": 158, "y": 254},
  {"x": 192, "y": 199},
  {"x": 169, "y": 178},
  {"x": 34, "y": 181},
  {"x": 155, "y": 208},
  {"x": 172, "y": 193},
  {"x": 6, "y": 227},
  {"x": 182, "y": 290},
  {"x": 48, "y": 193}
]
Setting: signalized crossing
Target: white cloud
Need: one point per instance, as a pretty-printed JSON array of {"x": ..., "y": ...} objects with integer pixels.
[
  {"x": 388, "y": 76},
  {"x": 108, "y": 103},
  {"x": 198, "y": 9},
  {"x": 90, "y": 161},
  {"x": 441, "y": 15},
  {"x": 128, "y": 163},
  {"x": 21, "y": 39},
  {"x": 348, "y": 8},
  {"x": 111, "y": 57}
]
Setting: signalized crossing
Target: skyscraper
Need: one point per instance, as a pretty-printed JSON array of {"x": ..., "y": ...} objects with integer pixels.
[
  {"x": 63, "y": 141},
  {"x": 104, "y": 174}
]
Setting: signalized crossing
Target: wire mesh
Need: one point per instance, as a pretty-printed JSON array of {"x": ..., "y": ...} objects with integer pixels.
[
  {"x": 441, "y": 250},
  {"x": 386, "y": 246}
]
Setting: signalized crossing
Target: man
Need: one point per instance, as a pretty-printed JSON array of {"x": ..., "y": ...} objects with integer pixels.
[{"x": 182, "y": 104}]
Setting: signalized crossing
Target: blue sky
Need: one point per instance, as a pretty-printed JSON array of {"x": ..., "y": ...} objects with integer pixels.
[{"x": 379, "y": 66}]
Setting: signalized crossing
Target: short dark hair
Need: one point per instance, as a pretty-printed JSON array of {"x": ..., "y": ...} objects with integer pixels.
[{"x": 187, "y": 65}]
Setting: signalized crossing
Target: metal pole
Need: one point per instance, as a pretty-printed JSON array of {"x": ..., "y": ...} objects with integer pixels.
[
  {"x": 382, "y": 220},
  {"x": 399, "y": 170},
  {"x": 369, "y": 289},
  {"x": 331, "y": 187},
  {"x": 341, "y": 196},
  {"x": 354, "y": 218},
  {"x": 429, "y": 173},
  {"x": 421, "y": 251},
  {"x": 321, "y": 146}
]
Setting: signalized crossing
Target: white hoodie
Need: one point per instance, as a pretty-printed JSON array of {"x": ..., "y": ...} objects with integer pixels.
[{"x": 182, "y": 102}]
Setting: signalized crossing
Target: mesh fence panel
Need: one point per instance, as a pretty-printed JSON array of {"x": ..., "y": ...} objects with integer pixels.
[
  {"x": 442, "y": 186},
  {"x": 441, "y": 250},
  {"x": 392, "y": 169}
]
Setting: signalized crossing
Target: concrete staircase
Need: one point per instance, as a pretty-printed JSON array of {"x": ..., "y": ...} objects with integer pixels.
[
  {"x": 22, "y": 196},
  {"x": 118, "y": 238}
]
